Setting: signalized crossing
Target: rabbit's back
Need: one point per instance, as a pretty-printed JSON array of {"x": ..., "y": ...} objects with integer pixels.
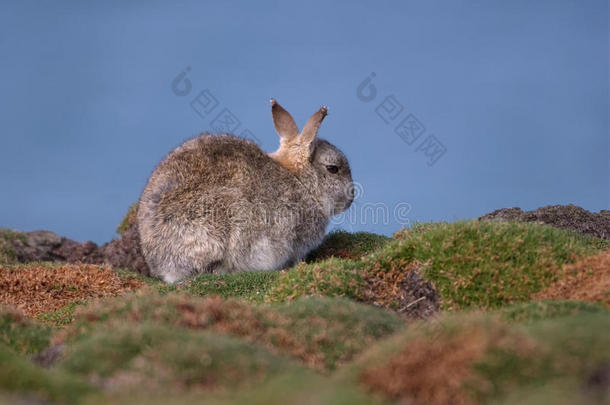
[
  {"x": 207, "y": 166},
  {"x": 219, "y": 203}
]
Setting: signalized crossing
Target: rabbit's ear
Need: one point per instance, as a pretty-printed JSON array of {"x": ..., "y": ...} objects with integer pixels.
[
  {"x": 283, "y": 122},
  {"x": 310, "y": 130},
  {"x": 295, "y": 151}
]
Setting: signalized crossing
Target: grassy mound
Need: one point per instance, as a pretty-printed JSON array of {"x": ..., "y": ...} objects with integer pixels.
[
  {"x": 293, "y": 387},
  {"x": 336, "y": 323},
  {"x": 488, "y": 265},
  {"x": 155, "y": 357},
  {"x": 474, "y": 264},
  {"x": 320, "y": 332},
  {"x": 147, "y": 342},
  {"x": 478, "y": 358}
]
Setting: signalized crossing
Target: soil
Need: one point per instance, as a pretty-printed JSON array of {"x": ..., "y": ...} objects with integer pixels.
[
  {"x": 404, "y": 291},
  {"x": 46, "y": 246},
  {"x": 561, "y": 216}
]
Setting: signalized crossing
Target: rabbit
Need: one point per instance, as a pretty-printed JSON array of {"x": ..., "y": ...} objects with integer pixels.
[{"x": 219, "y": 204}]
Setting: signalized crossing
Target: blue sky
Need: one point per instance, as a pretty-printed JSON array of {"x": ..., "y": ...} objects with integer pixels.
[{"x": 514, "y": 93}]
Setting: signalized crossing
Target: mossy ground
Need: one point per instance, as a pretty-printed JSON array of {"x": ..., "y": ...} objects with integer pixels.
[{"x": 335, "y": 323}]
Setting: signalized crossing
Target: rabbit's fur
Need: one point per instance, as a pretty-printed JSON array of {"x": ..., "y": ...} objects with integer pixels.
[{"x": 218, "y": 203}]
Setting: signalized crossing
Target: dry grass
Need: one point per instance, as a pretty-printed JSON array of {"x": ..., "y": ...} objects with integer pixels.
[
  {"x": 35, "y": 288},
  {"x": 585, "y": 280}
]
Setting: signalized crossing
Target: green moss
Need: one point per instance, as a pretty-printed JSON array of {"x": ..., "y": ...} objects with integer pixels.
[
  {"x": 347, "y": 245},
  {"x": 490, "y": 264},
  {"x": 21, "y": 334},
  {"x": 330, "y": 277},
  {"x": 61, "y": 317},
  {"x": 251, "y": 286}
]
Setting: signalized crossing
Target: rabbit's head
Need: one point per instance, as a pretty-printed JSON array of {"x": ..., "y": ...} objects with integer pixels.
[{"x": 317, "y": 163}]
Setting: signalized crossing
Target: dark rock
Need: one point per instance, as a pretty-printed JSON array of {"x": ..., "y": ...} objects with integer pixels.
[
  {"x": 36, "y": 246},
  {"x": 561, "y": 216},
  {"x": 75, "y": 252},
  {"x": 125, "y": 252},
  {"x": 49, "y": 247},
  {"x": 45, "y": 246}
]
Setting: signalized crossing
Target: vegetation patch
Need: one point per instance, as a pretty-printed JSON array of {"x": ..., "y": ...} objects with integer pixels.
[
  {"x": 398, "y": 286},
  {"x": 528, "y": 321},
  {"x": 7, "y": 250},
  {"x": 153, "y": 357},
  {"x": 329, "y": 277},
  {"x": 474, "y": 264},
  {"x": 437, "y": 366},
  {"x": 128, "y": 220},
  {"x": 62, "y": 316},
  {"x": 20, "y": 333},
  {"x": 320, "y": 332},
  {"x": 251, "y": 286},
  {"x": 485, "y": 264},
  {"x": 26, "y": 380},
  {"x": 295, "y": 386},
  {"x": 346, "y": 245},
  {"x": 586, "y": 280},
  {"x": 299, "y": 387},
  {"x": 479, "y": 358},
  {"x": 36, "y": 288}
]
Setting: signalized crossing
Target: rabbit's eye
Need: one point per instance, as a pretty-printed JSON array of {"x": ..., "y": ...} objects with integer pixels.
[{"x": 333, "y": 169}]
